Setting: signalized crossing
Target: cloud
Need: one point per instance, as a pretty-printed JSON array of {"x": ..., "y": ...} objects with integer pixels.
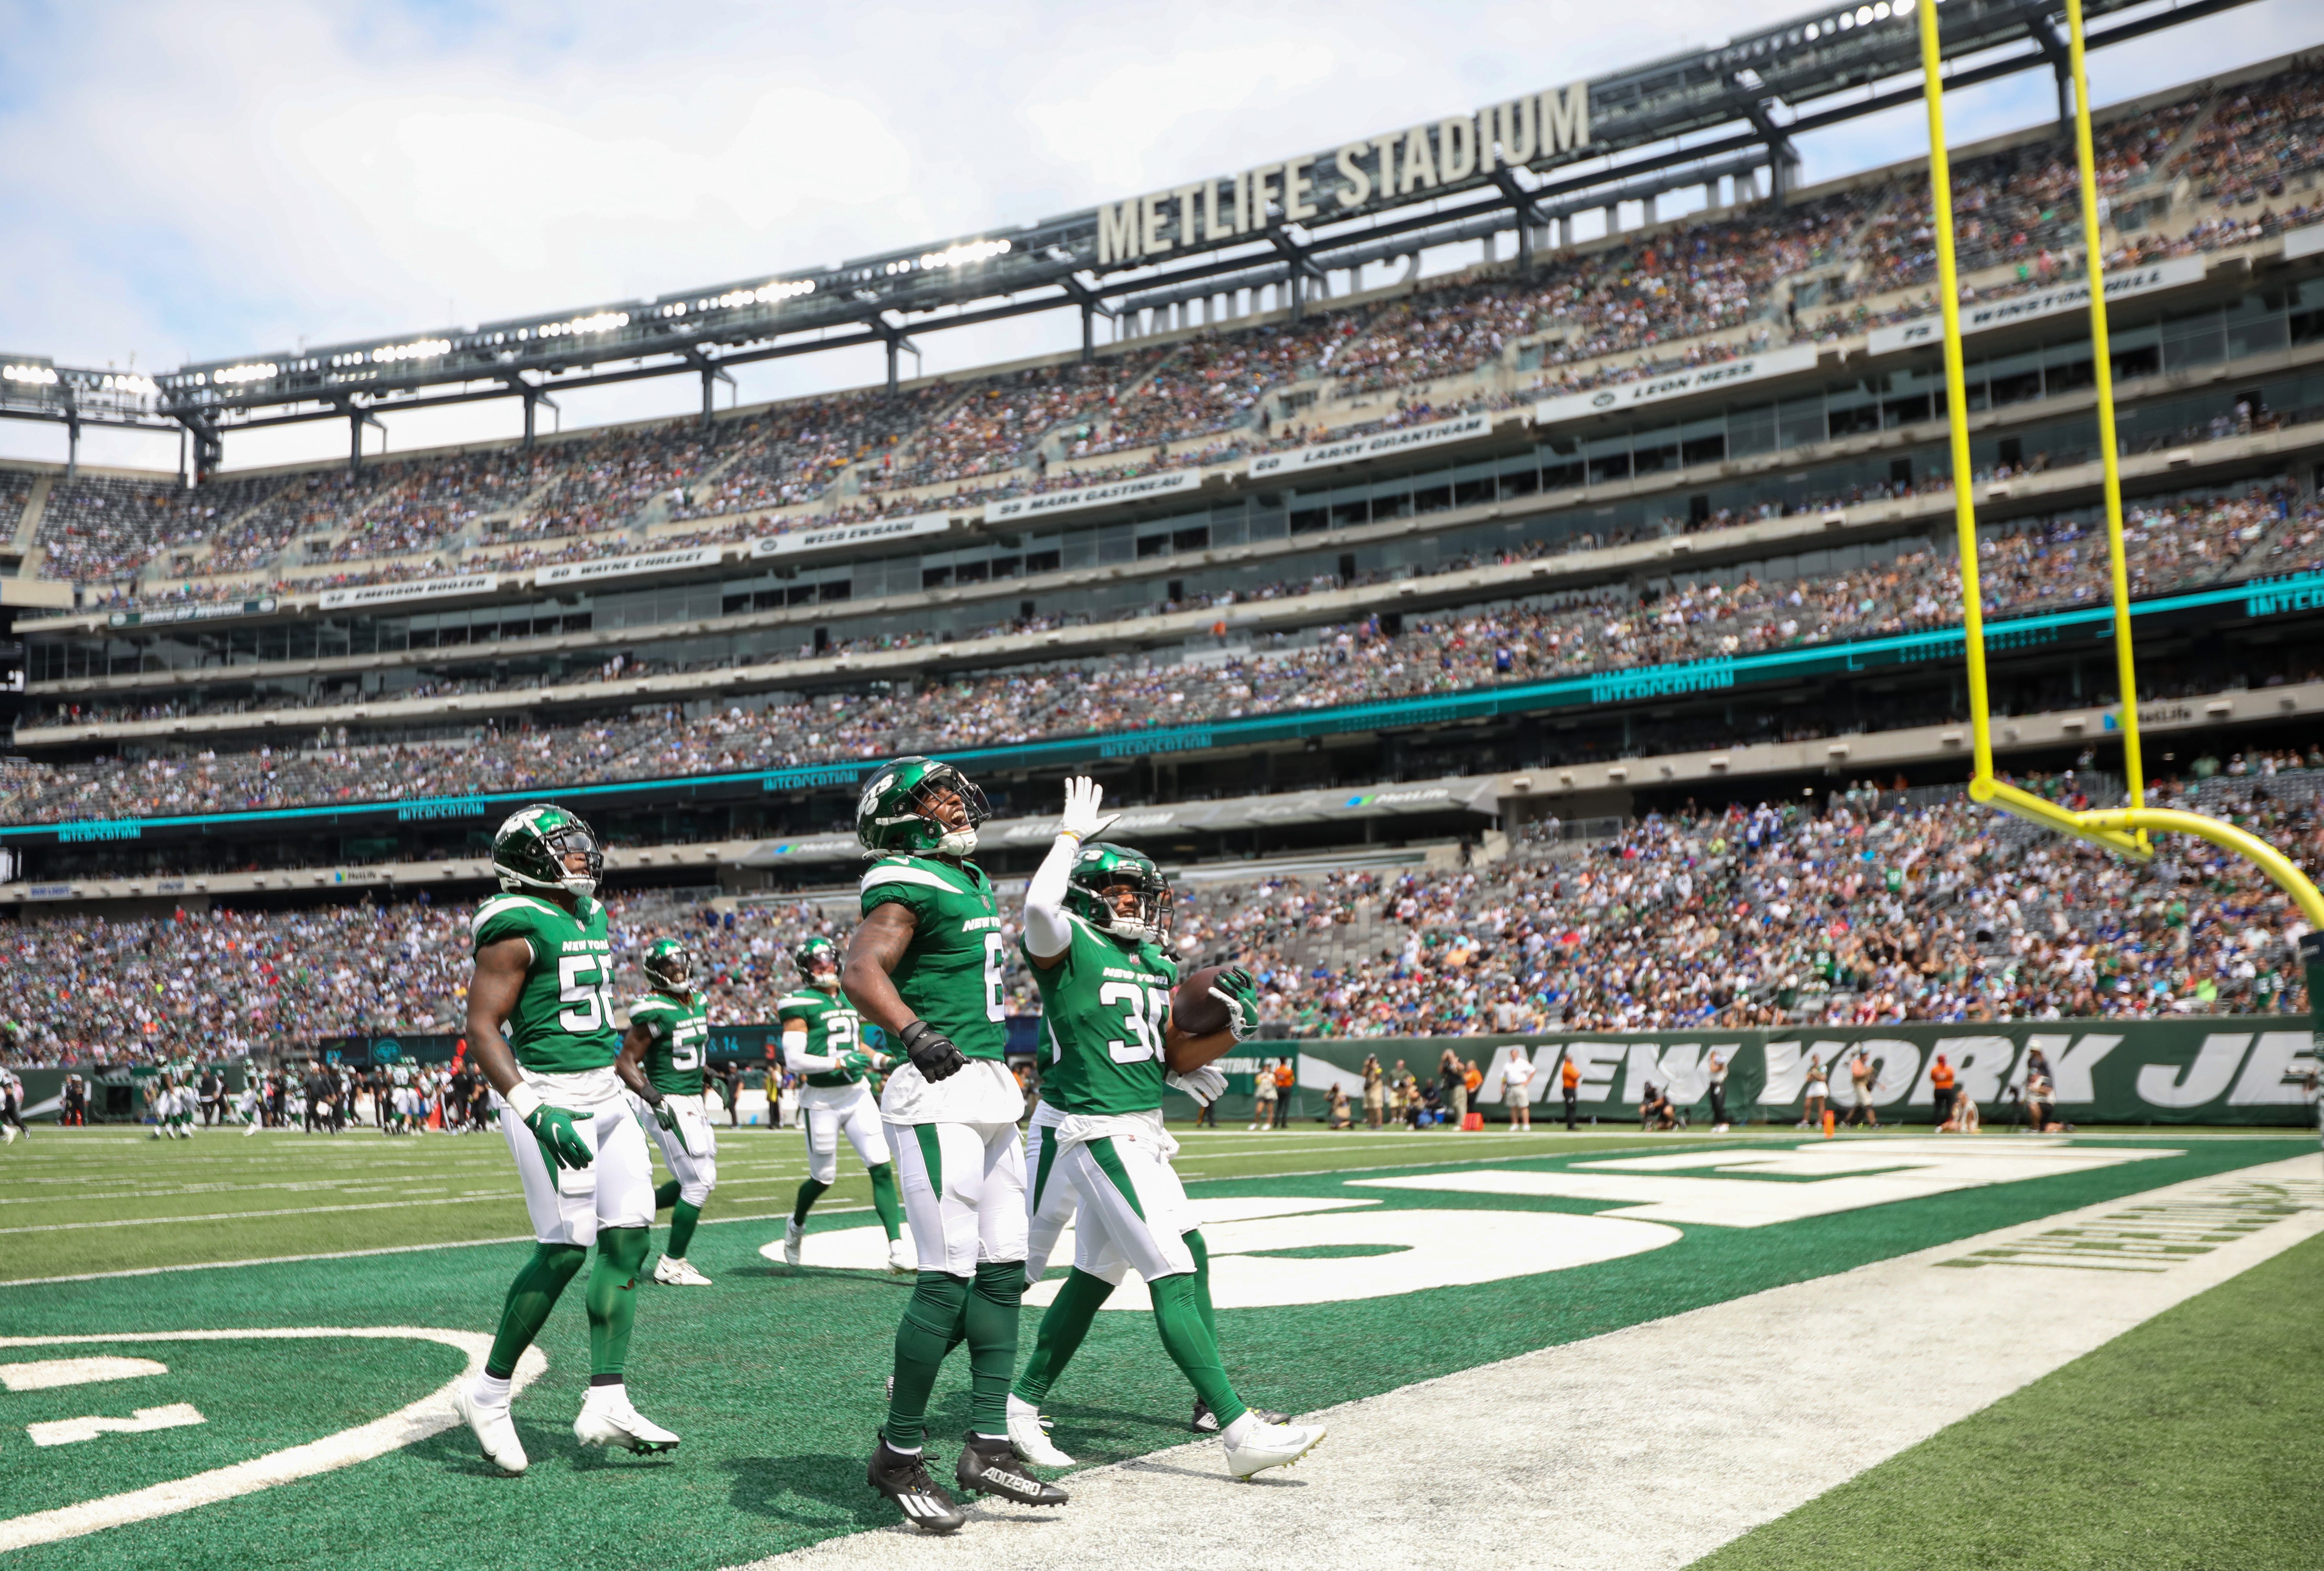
[{"x": 183, "y": 181}]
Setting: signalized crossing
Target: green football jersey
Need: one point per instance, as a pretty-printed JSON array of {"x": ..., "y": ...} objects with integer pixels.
[
  {"x": 950, "y": 974},
  {"x": 832, "y": 1029},
  {"x": 1103, "y": 1007},
  {"x": 562, "y": 1022},
  {"x": 678, "y": 1030}
]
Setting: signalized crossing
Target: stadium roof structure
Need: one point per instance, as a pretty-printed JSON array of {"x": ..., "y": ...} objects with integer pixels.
[{"x": 1686, "y": 120}]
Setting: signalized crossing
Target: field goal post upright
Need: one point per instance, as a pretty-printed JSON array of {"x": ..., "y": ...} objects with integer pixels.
[{"x": 2124, "y": 829}]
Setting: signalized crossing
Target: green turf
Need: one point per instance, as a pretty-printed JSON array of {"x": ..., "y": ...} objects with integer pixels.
[
  {"x": 773, "y": 1375},
  {"x": 2188, "y": 1443}
]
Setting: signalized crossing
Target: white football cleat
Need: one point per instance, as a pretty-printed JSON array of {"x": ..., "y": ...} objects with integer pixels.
[
  {"x": 1264, "y": 1445},
  {"x": 672, "y": 1272},
  {"x": 612, "y": 1421},
  {"x": 902, "y": 1259},
  {"x": 494, "y": 1429},
  {"x": 794, "y": 1236},
  {"x": 1031, "y": 1435}
]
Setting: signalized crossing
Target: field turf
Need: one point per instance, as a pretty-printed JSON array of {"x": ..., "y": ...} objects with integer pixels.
[{"x": 773, "y": 1375}]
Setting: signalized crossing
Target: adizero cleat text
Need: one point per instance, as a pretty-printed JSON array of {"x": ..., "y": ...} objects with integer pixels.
[
  {"x": 608, "y": 1424},
  {"x": 991, "y": 1467},
  {"x": 905, "y": 1480},
  {"x": 1272, "y": 1445},
  {"x": 494, "y": 1429}
]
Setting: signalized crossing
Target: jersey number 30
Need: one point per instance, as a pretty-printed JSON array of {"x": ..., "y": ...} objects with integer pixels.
[{"x": 1147, "y": 1009}]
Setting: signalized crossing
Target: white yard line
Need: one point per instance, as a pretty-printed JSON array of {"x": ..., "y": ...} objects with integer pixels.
[
  {"x": 1650, "y": 1446},
  {"x": 220, "y": 1265}
]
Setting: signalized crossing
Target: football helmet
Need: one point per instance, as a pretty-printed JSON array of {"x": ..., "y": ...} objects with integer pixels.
[
  {"x": 901, "y": 809},
  {"x": 669, "y": 965},
  {"x": 1093, "y": 893},
  {"x": 530, "y": 849},
  {"x": 814, "y": 956}
]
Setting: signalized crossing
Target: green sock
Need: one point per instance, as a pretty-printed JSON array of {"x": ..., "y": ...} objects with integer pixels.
[
  {"x": 530, "y": 1298},
  {"x": 613, "y": 1296},
  {"x": 992, "y": 1326},
  {"x": 1202, "y": 1252},
  {"x": 931, "y": 1320},
  {"x": 665, "y": 1196},
  {"x": 1071, "y": 1314},
  {"x": 886, "y": 1201},
  {"x": 682, "y": 1218},
  {"x": 808, "y": 1194},
  {"x": 1179, "y": 1317}
]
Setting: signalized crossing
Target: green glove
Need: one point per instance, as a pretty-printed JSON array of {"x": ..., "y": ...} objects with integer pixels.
[
  {"x": 561, "y": 1145},
  {"x": 856, "y": 1063},
  {"x": 1239, "y": 994}
]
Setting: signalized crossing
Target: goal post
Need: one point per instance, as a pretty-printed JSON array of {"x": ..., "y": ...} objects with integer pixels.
[{"x": 2124, "y": 829}]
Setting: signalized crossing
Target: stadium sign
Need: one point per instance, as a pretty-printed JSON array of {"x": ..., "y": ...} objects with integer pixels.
[
  {"x": 420, "y": 589},
  {"x": 907, "y": 527},
  {"x": 1921, "y": 331},
  {"x": 1090, "y": 496},
  {"x": 627, "y": 567},
  {"x": 1756, "y": 367},
  {"x": 1379, "y": 445},
  {"x": 191, "y": 613},
  {"x": 2192, "y": 1070},
  {"x": 1400, "y": 165}
]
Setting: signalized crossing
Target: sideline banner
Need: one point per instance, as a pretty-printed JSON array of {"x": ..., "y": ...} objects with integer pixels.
[{"x": 2202, "y": 1069}]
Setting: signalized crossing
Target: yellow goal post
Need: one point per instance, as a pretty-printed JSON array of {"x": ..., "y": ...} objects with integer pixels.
[{"x": 2124, "y": 829}]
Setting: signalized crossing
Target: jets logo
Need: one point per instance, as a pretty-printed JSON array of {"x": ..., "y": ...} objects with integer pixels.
[{"x": 872, "y": 793}]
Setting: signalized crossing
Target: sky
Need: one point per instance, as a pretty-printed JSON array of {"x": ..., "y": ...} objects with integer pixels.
[{"x": 182, "y": 182}]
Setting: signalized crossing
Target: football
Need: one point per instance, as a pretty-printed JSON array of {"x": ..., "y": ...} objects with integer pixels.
[{"x": 1194, "y": 1011}]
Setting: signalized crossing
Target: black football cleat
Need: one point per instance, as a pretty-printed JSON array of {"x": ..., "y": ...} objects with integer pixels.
[
  {"x": 991, "y": 1466},
  {"x": 1206, "y": 1422},
  {"x": 905, "y": 1480}
]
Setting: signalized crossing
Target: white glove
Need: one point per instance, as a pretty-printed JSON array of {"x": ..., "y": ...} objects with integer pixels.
[
  {"x": 1080, "y": 819},
  {"x": 1204, "y": 1084}
]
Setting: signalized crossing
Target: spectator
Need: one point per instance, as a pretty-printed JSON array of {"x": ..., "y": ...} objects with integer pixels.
[
  {"x": 1453, "y": 1088},
  {"x": 1516, "y": 1088},
  {"x": 1941, "y": 1080},
  {"x": 1717, "y": 1073},
  {"x": 1860, "y": 1081},
  {"x": 1375, "y": 1091},
  {"x": 1569, "y": 1079},
  {"x": 1286, "y": 1086},
  {"x": 1336, "y": 1115},
  {"x": 1262, "y": 1107},
  {"x": 1817, "y": 1090}
]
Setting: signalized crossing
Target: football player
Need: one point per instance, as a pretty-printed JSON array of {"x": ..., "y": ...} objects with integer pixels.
[
  {"x": 1095, "y": 918},
  {"x": 823, "y": 1040},
  {"x": 661, "y": 1061},
  {"x": 12, "y": 1109},
  {"x": 926, "y": 967},
  {"x": 540, "y": 1025}
]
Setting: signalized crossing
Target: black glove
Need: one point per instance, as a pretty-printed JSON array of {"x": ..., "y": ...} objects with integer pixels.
[{"x": 931, "y": 1051}]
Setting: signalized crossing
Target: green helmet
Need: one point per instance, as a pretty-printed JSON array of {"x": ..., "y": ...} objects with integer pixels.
[
  {"x": 531, "y": 848},
  {"x": 669, "y": 965},
  {"x": 814, "y": 956},
  {"x": 1091, "y": 888},
  {"x": 897, "y": 812}
]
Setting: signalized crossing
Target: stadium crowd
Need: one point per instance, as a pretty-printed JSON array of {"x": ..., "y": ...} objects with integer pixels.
[
  {"x": 1691, "y": 293},
  {"x": 2043, "y": 565},
  {"x": 1884, "y": 906}
]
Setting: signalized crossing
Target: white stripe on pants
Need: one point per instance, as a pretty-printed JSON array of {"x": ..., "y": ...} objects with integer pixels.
[
  {"x": 1142, "y": 1228},
  {"x": 976, "y": 1212},
  {"x": 569, "y": 1205}
]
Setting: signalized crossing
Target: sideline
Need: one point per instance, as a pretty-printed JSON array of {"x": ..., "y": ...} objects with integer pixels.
[{"x": 1563, "y": 1459}]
